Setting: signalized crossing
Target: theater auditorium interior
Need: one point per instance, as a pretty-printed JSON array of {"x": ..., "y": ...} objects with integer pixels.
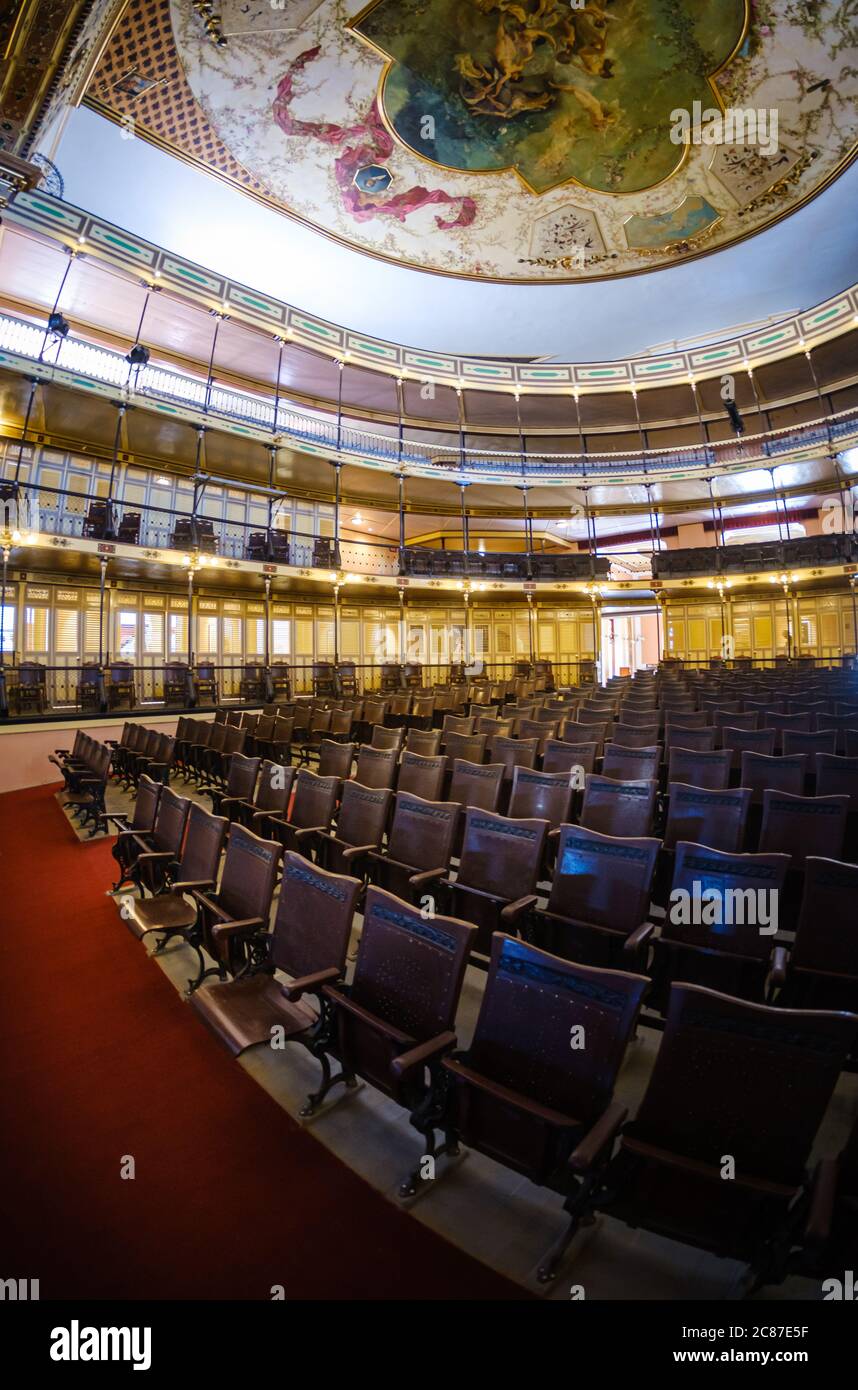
[{"x": 429, "y": 651}]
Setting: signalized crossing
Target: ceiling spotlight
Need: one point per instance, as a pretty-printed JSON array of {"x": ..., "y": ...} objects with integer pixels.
[
  {"x": 138, "y": 356},
  {"x": 58, "y": 325}
]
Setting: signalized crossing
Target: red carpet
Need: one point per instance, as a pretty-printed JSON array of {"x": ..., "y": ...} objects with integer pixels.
[{"x": 102, "y": 1059}]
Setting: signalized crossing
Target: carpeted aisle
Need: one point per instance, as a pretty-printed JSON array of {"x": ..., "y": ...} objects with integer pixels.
[{"x": 101, "y": 1059}]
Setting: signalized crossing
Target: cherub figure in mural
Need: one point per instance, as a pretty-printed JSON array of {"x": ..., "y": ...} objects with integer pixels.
[
  {"x": 365, "y": 144},
  {"x": 513, "y": 78}
]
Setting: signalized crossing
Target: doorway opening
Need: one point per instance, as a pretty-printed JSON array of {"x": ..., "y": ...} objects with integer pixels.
[{"x": 630, "y": 641}]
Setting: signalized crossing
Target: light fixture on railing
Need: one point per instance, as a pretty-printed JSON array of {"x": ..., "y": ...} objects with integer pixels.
[
  {"x": 57, "y": 325},
  {"x": 138, "y": 356}
]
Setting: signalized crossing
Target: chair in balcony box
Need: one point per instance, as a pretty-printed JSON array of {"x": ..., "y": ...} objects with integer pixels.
[
  {"x": 309, "y": 942},
  {"x": 278, "y": 545},
  {"x": 324, "y": 679},
  {"x": 177, "y": 683},
  {"x": 205, "y": 683},
  {"x": 346, "y": 679},
  {"x": 730, "y": 1078},
  {"x": 204, "y": 536},
  {"x": 96, "y": 521},
  {"x": 182, "y": 537},
  {"x": 257, "y": 546},
  {"x": 120, "y": 685},
  {"x": 29, "y": 691},
  {"x": 413, "y": 675},
  {"x": 253, "y": 686},
  {"x": 281, "y": 681},
  {"x": 524, "y": 1094},
  {"x": 128, "y": 531},
  {"x": 391, "y": 677},
  {"x": 90, "y": 687},
  {"x": 394, "y": 1022}
]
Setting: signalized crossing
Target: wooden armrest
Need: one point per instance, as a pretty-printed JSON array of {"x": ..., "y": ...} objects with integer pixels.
[
  {"x": 357, "y": 852},
  {"x": 638, "y": 937},
  {"x": 309, "y": 830},
  {"x": 425, "y": 877},
  {"x": 188, "y": 885},
  {"x": 780, "y": 958},
  {"x": 209, "y": 903},
  {"x": 822, "y": 1201},
  {"x": 420, "y": 1056},
  {"x": 245, "y": 926},
  {"x": 603, "y": 1134},
  {"x": 513, "y": 912},
  {"x": 386, "y": 1029},
  {"x": 310, "y": 984}
]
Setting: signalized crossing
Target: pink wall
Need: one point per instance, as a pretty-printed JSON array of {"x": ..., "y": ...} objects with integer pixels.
[{"x": 25, "y": 749}]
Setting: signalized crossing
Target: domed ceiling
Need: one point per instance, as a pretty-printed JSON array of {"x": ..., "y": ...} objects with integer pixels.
[{"x": 512, "y": 140}]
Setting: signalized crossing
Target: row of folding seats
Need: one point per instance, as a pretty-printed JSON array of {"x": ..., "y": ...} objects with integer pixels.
[
  {"x": 520, "y": 1093},
  {"x": 85, "y": 768}
]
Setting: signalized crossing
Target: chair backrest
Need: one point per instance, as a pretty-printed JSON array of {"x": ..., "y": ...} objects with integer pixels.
[
  {"x": 678, "y": 736},
  {"x": 217, "y": 736},
  {"x": 730, "y": 719},
  {"x": 635, "y": 735},
  {"x": 363, "y": 813},
  {"x": 544, "y": 795},
  {"x": 563, "y": 757},
  {"x": 314, "y": 800},
  {"x": 837, "y": 776},
  {"x": 470, "y": 747},
  {"x": 335, "y": 759},
  {"x": 456, "y": 724},
  {"x": 494, "y": 728},
  {"x": 249, "y": 874},
  {"x": 715, "y": 901},
  {"x": 314, "y": 918},
  {"x": 387, "y": 738},
  {"x": 171, "y": 821},
  {"x": 264, "y": 728},
  {"x": 761, "y": 772},
  {"x": 801, "y": 741},
  {"x": 283, "y": 729},
  {"x": 243, "y": 773},
  {"x": 827, "y": 929},
  {"x": 700, "y": 769},
  {"x": 573, "y": 732},
  {"x": 422, "y": 776},
  {"x": 742, "y": 1079},
  {"x": 476, "y": 784},
  {"x": 618, "y": 808},
  {"x": 782, "y": 722},
  {"x": 803, "y": 825},
  {"x": 274, "y": 787},
  {"x": 603, "y": 879},
  {"x": 146, "y": 804},
  {"x": 376, "y": 767},
  {"x": 513, "y": 753},
  {"x": 630, "y": 764},
  {"x": 426, "y": 742},
  {"x": 409, "y": 971},
  {"x": 707, "y": 817},
  {"x": 532, "y": 1005},
  {"x": 203, "y": 844},
  {"x": 500, "y": 855},
  {"x": 639, "y": 716},
  {"x": 423, "y": 831},
  {"x": 741, "y": 740}
]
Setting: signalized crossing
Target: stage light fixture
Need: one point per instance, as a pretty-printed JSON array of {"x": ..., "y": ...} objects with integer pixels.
[
  {"x": 58, "y": 325},
  {"x": 138, "y": 356}
]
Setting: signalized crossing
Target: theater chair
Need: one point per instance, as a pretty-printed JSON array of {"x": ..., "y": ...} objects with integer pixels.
[
  {"x": 240, "y": 786},
  {"x": 242, "y": 900},
  {"x": 126, "y": 847},
  {"x": 360, "y": 824},
  {"x": 270, "y": 798},
  {"x": 88, "y": 783},
  {"x": 599, "y": 902},
  {"x": 217, "y": 757},
  {"x": 336, "y": 759},
  {"x": 169, "y": 913},
  {"x": 524, "y": 1094},
  {"x": 394, "y": 1021},
  {"x": 309, "y": 942},
  {"x": 387, "y": 739},
  {"x": 155, "y": 760},
  {"x": 732, "y": 1081},
  {"x": 376, "y": 767},
  {"x": 820, "y": 970},
  {"x": 310, "y": 812},
  {"x": 426, "y": 742},
  {"x": 495, "y": 886},
  {"x": 631, "y": 764},
  {"x": 418, "y": 850},
  {"x": 207, "y": 733},
  {"x": 155, "y": 855},
  {"x": 719, "y": 942},
  {"x": 621, "y": 809}
]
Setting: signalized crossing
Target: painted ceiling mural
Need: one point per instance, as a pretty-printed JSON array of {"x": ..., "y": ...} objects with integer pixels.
[{"x": 511, "y": 139}]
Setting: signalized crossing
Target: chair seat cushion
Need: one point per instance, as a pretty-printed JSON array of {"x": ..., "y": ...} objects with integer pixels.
[
  {"x": 169, "y": 912},
  {"x": 243, "y": 1012}
]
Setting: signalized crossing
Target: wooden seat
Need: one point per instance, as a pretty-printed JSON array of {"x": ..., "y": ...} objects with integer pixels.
[
  {"x": 496, "y": 881},
  {"x": 622, "y": 764},
  {"x": 360, "y": 824},
  {"x": 376, "y": 767},
  {"x": 309, "y": 942},
  {"x": 422, "y": 776},
  {"x": 709, "y": 769},
  {"x": 622, "y": 809},
  {"x": 419, "y": 848},
  {"x": 524, "y": 1094},
  {"x": 130, "y": 834},
  {"x": 715, "y": 817},
  {"x": 270, "y": 798},
  {"x": 821, "y": 969},
  {"x": 239, "y": 789},
  {"x": 229, "y": 917},
  {"x": 169, "y": 912},
  {"x": 336, "y": 759},
  {"x": 395, "y": 1020},
  {"x": 731, "y": 1079},
  {"x": 311, "y": 811}
]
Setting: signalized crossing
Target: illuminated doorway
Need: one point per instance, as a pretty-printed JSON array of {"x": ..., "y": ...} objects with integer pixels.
[{"x": 630, "y": 641}]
